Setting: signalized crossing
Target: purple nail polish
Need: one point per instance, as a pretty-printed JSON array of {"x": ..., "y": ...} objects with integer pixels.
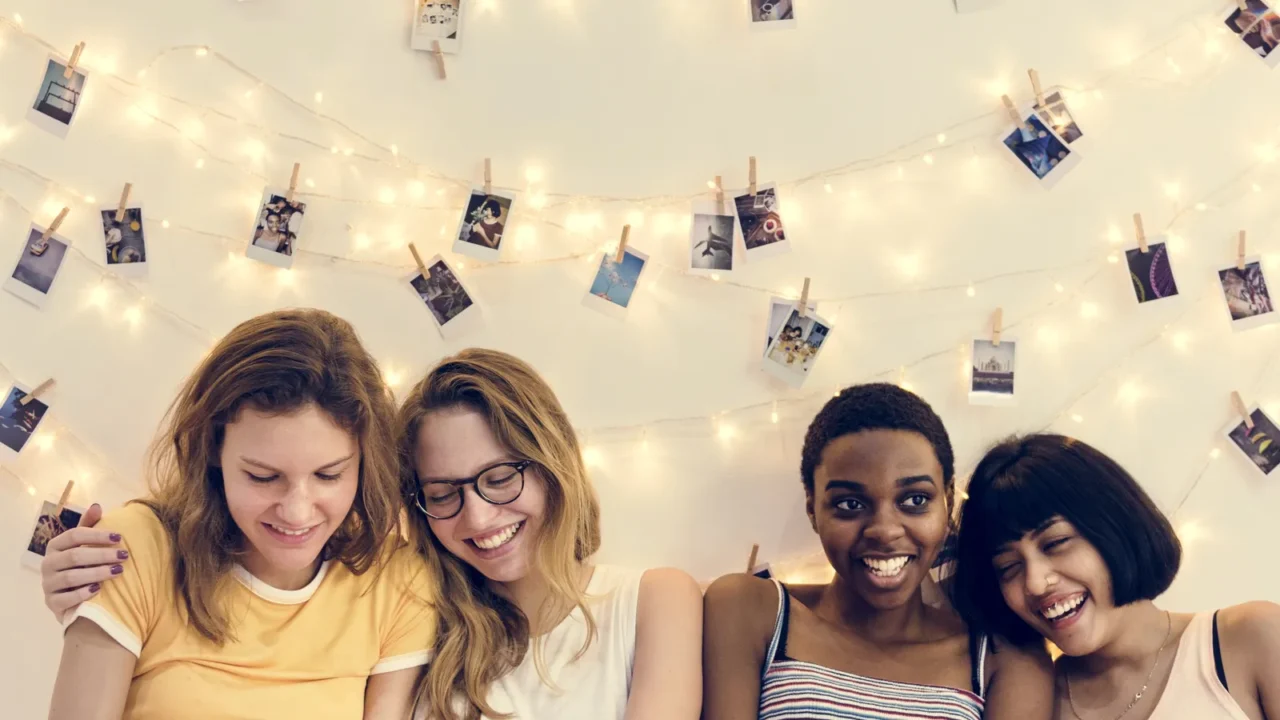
[
  {"x": 95, "y": 588},
  {"x": 123, "y": 554},
  {"x": 115, "y": 537},
  {"x": 117, "y": 569}
]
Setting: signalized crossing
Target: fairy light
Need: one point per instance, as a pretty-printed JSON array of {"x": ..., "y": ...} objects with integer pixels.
[
  {"x": 1215, "y": 453},
  {"x": 942, "y": 138},
  {"x": 538, "y": 201},
  {"x": 1058, "y": 287},
  {"x": 386, "y": 196},
  {"x": 715, "y": 277},
  {"x": 1113, "y": 235},
  {"x": 91, "y": 200},
  {"x": 164, "y": 224},
  {"x": 591, "y": 456},
  {"x": 1181, "y": 340},
  {"x": 200, "y": 163},
  {"x": 1190, "y": 532},
  {"x": 971, "y": 291},
  {"x": 827, "y": 187},
  {"x": 392, "y": 377},
  {"x": 711, "y": 184},
  {"x": 1257, "y": 188},
  {"x": 1201, "y": 207},
  {"x": 319, "y": 97},
  {"x": 309, "y": 183},
  {"x": 533, "y": 174},
  {"x": 98, "y": 296},
  {"x": 363, "y": 241},
  {"x": 202, "y": 52},
  {"x": 773, "y": 415},
  {"x": 133, "y": 315},
  {"x": 417, "y": 188},
  {"x": 1077, "y": 418},
  {"x": 1130, "y": 392},
  {"x": 726, "y": 432},
  {"x": 43, "y": 441},
  {"x": 30, "y": 488},
  {"x": 1173, "y": 190},
  {"x": 395, "y": 150},
  {"x": 348, "y": 151},
  {"x": 1088, "y": 310},
  {"x": 928, "y": 158}
]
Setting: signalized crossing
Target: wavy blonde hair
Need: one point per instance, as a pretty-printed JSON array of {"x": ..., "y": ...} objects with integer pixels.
[
  {"x": 482, "y": 635},
  {"x": 275, "y": 363}
]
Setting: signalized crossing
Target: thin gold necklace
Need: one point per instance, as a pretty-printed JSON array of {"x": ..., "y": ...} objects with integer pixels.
[{"x": 1138, "y": 696}]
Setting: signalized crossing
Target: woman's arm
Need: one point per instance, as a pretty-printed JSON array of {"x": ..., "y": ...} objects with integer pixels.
[
  {"x": 738, "y": 617},
  {"x": 1021, "y": 685},
  {"x": 94, "y": 677},
  {"x": 389, "y": 696},
  {"x": 666, "y": 682},
  {"x": 1250, "y": 636},
  {"x": 77, "y": 562}
]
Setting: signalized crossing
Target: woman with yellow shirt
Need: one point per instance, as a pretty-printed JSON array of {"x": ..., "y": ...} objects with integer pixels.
[{"x": 265, "y": 576}]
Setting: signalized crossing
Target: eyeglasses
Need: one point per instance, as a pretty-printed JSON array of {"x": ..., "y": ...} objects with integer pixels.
[{"x": 499, "y": 484}]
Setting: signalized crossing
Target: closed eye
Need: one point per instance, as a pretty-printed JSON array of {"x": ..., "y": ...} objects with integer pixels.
[
  {"x": 324, "y": 476},
  {"x": 259, "y": 479},
  {"x": 1007, "y": 572},
  {"x": 1056, "y": 543}
]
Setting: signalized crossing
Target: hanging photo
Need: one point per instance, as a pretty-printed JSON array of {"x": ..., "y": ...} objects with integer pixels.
[
  {"x": 711, "y": 240},
  {"x": 437, "y": 21},
  {"x": 795, "y": 349},
  {"x": 1151, "y": 272},
  {"x": 760, "y": 223},
  {"x": 772, "y": 13},
  {"x": 1258, "y": 28},
  {"x": 49, "y": 524},
  {"x": 18, "y": 422},
  {"x": 58, "y": 98},
  {"x": 451, "y": 305},
  {"x": 1057, "y": 116},
  {"x": 1037, "y": 148},
  {"x": 780, "y": 309},
  {"x": 993, "y": 373},
  {"x": 125, "y": 242},
  {"x": 39, "y": 261},
  {"x": 279, "y": 223},
  {"x": 1261, "y": 443},
  {"x": 1248, "y": 298},
  {"x": 615, "y": 282},
  {"x": 483, "y": 225}
]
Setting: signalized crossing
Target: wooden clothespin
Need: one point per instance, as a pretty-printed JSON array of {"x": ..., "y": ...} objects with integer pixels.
[
  {"x": 751, "y": 176},
  {"x": 36, "y": 393},
  {"x": 1012, "y": 109},
  {"x": 804, "y": 298},
  {"x": 622, "y": 244},
  {"x": 1241, "y": 247},
  {"x": 1241, "y": 408},
  {"x": 75, "y": 59},
  {"x": 439, "y": 54},
  {"x": 124, "y": 202},
  {"x": 1035, "y": 86},
  {"x": 62, "y": 499},
  {"x": 997, "y": 327},
  {"x": 488, "y": 177},
  {"x": 751, "y": 561},
  {"x": 422, "y": 267},
  {"x": 53, "y": 226},
  {"x": 1142, "y": 235},
  {"x": 719, "y": 196},
  {"x": 293, "y": 182}
]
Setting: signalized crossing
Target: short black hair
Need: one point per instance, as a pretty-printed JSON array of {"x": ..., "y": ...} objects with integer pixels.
[
  {"x": 876, "y": 406},
  {"x": 1023, "y": 483},
  {"x": 492, "y": 206}
]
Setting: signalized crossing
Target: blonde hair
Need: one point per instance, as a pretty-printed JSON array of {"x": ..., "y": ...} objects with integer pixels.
[
  {"x": 275, "y": 363},
  {"x": 482, "y": 636}
]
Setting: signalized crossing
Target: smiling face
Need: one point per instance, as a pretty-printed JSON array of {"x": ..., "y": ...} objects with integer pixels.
[
  {"x": 290, "y": 480},
  {"x": 879, "y": 506},
  {"x": 1057, "y": 582},
  {"x": 497, "y": 540}
]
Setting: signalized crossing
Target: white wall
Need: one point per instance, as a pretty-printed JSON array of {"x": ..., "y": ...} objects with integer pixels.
[{"x": 626, "y": 109}]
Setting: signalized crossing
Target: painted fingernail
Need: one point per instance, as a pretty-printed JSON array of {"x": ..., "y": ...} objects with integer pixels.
[
  {"x": 123, "y": 554},
  {"x": 94, "y": 588},
  {"x": 117, "y": 569},
  {"x": 115, "y": 537}
]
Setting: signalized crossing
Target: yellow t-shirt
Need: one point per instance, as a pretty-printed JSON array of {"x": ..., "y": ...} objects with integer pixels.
[{"x": 296, "y": 654}]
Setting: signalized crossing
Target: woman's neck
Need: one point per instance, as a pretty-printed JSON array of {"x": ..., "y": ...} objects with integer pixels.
[
  {"x": 1139, "y": 630},
  {"x": 843, "y": 603},
  {"x": 530, "y": 594},
  {"x": 276, "y": 577}
]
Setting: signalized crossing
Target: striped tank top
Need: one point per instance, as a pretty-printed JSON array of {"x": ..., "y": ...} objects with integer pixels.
[{"x": 798, "y": 690}]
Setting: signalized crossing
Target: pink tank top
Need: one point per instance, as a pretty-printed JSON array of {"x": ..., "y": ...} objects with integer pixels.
[{"x": 1194, "y": 690}]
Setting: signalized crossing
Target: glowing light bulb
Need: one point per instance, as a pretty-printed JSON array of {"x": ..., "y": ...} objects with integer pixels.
[
  {"x": 1201, "y": 207},
  {"x": 902, "y": 172},
  {"x": 18, "y": 19},
  {"x": 395, "y": 150},
  {"x": 1257, "y": 188},
  {"x": 392, "y": 377},
  {"x": 133, "y": 315},
  {"x": 363, "y": 241},
  {"x": 1173, "y": 190},
  {"x": 30, "y": 489},
  {"x": 1190, "y": 532},
  {"x": 1076, "y": 418},
  {"x": 1113, "y": 258},
  {"x": 44, "y": 441},
  {"x": 309, "y": 183},
  {"x": 711, "y": 184},
  {"x": 1088, "y": 310},
  {"x": 773, "y": 417},
  {"x": 202, "y": 51},
  {"x": 1214, "y": 453},
  {"x": 200, "y": 163},
  {"x": 928, "y": 159},
  {"x": 98, "y": 296},
  {"x": 386, "y": 196},
  {"x": 164, "y": 224},
  {"x": 726, "y": 431},
  {"x": 1181, "y": 340},
  {"x": 715, "y": 277},
  {"x": 591, "y": 456},
  {"x": 1058, "y": 287},
  {"x": 1114, "y": 236},
  {"x": 90, "y": 199},
  {"x": 533, "y": 174},
  {"x": 538, "y": 201},
  {"x": 971, "y": 291},
  {"x": 1130, "y": 392},
  {"x": 348, "y": 151},
  {"x": 319, "y": 97},
  {"x": 942, "y": 138},
  {"x": 417, "y": 188}
]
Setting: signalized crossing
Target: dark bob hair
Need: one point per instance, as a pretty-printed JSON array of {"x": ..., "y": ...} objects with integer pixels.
[{"x": 1021, "y": 484}]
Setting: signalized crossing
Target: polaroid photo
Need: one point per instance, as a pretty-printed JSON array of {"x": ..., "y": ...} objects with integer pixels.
[
  {"x": 1259, "y": 28},
  {"x": 278, "y": 225},
  {"x": 452, "y": 306},
  {"x": 125, "y": 241},
  {"x": 1151, "y": 272},
  {"x": 795, "y": 349},
  {"x": 437, "y": 21},
  {"x": 1057, "y": 115},
  {"x": 760, "y": 223},
  {"x": 772, "y": 14},
  {"x": 1260, "y": 444},
  {"x": 1037, "y": 148},
  {"x": 711, "y": 240},
  {"x": 58, "y": 99},
  {"x": 779, "y": 310},
  {"x": 483, "y": 225},
  {"x": 615, "y": 282},
  {"x": 992, "y": 380},
  {"x": 762, "y": 570},
  {"x": 38, "y": 264},
  {"x": 49, "y": 524},
  {"x": 18, "y": 422},
  {"x": 1248, "y": 299}
]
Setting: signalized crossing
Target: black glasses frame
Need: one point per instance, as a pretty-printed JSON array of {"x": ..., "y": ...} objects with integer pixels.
[{"x": 419, "y": 497}]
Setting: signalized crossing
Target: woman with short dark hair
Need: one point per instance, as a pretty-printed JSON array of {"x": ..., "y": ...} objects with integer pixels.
[{"x": 1058, "y": 540}]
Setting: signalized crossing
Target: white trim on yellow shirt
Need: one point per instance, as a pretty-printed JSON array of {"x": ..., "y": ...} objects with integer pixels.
[
  {"x": 111, "y": 626},
  {"x": 401, "y": 662},
  {"x": 275, "y": 594}
]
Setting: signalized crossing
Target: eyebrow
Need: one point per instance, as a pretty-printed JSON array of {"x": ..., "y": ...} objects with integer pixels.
[
  {"x": 859, "y": 487},
  {"x": 264, "y": 466},
  {"x": 1039, "y": 530}
]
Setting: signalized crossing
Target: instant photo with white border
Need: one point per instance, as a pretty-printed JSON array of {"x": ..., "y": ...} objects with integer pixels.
[
  {"x": 1155, "y": 245},
  {"x": 56, "y": 244},
  {"x": 1055, "y": 173},
  {"x": 703, "y": 237},
  {"x": 779, "y": 310},
  {"x": 470, "y": 217},
  {"x": 759, "y": 10},
  {"x": 1272, "y": 58},
  {"x": 49, "y": 124},
  {"x": 266, "y": 255},
  {"x": 1257, "y": 415},
  {"x": 980, "y": 347},
  {"x": 777, "y": 247},
  {"x": 605, "y": 305},
  {"x": 424, "y": 36},
  {"x": 1255, "y": 321},
  {"x": 1062, "y": 110},
  {"x": 31, "y": 559},
  {"x": 128, "y": 269},
  {"x": 795, "y": 374},
  {"x": 8, "y": 454},
  {"x": 469, "y": 320}
]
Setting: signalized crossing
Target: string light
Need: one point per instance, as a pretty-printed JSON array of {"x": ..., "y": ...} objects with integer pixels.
[
  {"x": 591, "y": 456},
  {"x": 1077, "y": 418}
]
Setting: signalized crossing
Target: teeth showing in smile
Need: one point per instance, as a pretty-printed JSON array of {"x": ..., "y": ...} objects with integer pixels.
[
  {"x": 1063, "y": 608},
  {"x": 287, "y": 531},
  {"x": 886, "y": 567},
  {"x": 498, "y": 539}
]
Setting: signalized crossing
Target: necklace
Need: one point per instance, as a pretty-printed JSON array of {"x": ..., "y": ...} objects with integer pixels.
[{"x": 1137, "y": 696}]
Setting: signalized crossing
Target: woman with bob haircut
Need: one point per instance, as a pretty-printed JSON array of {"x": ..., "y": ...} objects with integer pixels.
[
  {"x": 265, "y": 576},
  {"x": 1058, "y": 541}
]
